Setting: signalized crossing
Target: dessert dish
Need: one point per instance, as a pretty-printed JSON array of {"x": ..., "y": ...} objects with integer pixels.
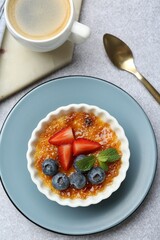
[{"x": 78, "y": 155}]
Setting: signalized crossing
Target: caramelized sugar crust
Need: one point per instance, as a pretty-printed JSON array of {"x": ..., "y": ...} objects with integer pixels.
[{"x": 84, "y": 125}]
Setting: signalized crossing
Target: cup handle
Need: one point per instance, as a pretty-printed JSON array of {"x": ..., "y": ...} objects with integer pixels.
[{"x": 79, "y": 33}]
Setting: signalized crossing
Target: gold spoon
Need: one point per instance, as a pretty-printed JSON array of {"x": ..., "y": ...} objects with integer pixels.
[{"x": 121, "y": 56}]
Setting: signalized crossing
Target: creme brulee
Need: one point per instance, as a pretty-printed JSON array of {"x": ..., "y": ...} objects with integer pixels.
[{"x": 84, "y": 125}]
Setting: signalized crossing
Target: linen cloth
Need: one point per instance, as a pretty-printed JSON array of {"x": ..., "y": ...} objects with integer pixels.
[{"x": 2, "y": 25}]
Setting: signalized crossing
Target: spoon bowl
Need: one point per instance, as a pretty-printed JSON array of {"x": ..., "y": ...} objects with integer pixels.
[{"x": 122, "y": 57}]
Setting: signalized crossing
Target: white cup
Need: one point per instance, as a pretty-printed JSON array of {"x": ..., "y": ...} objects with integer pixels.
[{"x": 73, "y": 31}]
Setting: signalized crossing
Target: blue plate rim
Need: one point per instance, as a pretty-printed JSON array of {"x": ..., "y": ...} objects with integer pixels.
[{"x": 154, "y": 137}]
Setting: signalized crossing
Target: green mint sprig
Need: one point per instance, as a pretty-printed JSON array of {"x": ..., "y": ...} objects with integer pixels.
[
  {"x": 106, "y": 156},
  {"x": 86, "y": 163},
  {"x": 103, "y": 165}
]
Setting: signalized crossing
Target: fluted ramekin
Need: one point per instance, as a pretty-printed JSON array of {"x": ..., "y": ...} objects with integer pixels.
[{"x": 109, "y": 189}]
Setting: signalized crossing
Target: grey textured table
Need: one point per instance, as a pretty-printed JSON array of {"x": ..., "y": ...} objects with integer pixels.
[{"x": 138, "y": 23}]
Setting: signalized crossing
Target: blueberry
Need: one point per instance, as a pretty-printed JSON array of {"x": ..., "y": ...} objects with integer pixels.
[
  {"x": 60, "y": 181},
  {"x": 50, "y": 167},
  {"x": 78, "y": 158},
  {"x": 77, "y": 180},
  {"x": 96, "y": 175}
]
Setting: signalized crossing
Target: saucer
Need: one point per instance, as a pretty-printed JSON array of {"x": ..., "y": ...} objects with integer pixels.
[{"x": 17, "y": 129}]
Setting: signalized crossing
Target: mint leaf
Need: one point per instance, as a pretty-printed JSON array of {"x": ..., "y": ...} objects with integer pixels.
[
  {"x": 86, "y": 163},
  {"x": 103, "y": 165},
  {"x": 108, "y": 155}
]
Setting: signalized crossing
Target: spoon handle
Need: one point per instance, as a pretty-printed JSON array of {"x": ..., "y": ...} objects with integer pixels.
[{"x": 149, "y": 87}]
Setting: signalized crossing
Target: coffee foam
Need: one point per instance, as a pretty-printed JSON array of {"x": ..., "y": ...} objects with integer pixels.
[{"x": 39, "y": 19}]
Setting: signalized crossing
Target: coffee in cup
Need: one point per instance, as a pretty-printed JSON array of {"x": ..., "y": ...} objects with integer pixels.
[
  {"x": 39, "y": 19},
  {"x": 43, "y": 25}
]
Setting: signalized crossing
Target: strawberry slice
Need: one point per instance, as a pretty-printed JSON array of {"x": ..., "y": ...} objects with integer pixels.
[
  {"x": 82, "y": 145},
  {"x": 64, "y": 136},
  {"x": 65, "y": 156}
]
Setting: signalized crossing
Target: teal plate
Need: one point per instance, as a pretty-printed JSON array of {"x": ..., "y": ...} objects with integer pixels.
[{"x": 16, "y": 132}]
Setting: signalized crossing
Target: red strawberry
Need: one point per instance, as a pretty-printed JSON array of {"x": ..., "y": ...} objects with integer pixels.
[
  {"x": 64, "y": 136},
  {"x": 65, "y": 156},
  {"x": 82, "y": 145}
]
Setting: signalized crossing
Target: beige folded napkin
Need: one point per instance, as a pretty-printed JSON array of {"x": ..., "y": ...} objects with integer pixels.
[{"x": 20, "y": 66}]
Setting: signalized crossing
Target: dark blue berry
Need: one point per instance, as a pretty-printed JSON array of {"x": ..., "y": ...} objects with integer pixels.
[
  {"x": 60, "y": 181},
  {"x": 96, "y": 175},
  {"x": 50, "y": 167},
  {"x": 77, "y": 180},
  {"x": 77, "y": 159}
]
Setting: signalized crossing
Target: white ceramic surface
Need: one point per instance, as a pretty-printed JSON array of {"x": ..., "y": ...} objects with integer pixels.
[
  {"x": 109, "y": 189},
  {"x": 73, "y": 31}
]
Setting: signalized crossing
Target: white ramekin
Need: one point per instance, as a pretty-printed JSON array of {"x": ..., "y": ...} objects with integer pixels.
[{"x": 106, "y": 117}]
